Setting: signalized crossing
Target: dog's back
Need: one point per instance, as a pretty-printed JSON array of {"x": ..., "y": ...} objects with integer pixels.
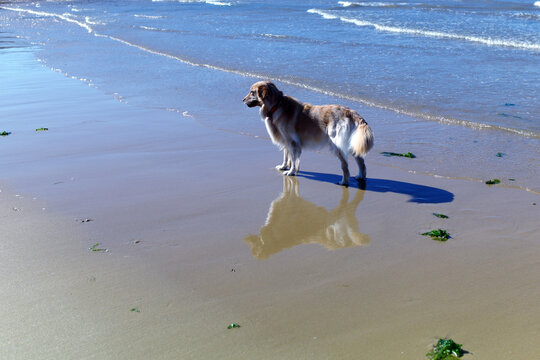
[{"x": 346, "y": 129}]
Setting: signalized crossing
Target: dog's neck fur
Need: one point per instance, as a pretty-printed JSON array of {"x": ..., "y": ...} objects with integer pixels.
[{"x": 273, "y": 109}]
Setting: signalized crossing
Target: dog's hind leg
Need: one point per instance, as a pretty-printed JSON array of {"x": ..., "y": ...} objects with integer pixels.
[
  {"x": 286, "y": 161},
  {"x": 362, "y": 173},
  {"x": 294, "y": 158},
  {"x": 344, "y": 168}
]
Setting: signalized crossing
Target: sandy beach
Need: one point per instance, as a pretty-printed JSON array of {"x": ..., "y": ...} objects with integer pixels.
[{"x": 199, "y": 231}]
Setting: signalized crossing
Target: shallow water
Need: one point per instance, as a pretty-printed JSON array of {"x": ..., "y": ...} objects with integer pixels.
[{"x": 455, "y": 82}]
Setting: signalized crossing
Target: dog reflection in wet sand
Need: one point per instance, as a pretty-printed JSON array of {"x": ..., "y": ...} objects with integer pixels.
[{"x": 292, "y": 221}]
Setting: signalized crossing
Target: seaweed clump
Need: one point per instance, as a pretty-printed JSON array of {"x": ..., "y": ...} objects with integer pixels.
[
  {"x": 440, "y": 216},
  {"x": 95, "y": 248},
  {"x": 407, "y": 155},
  {"x": 439, "y": 234},
  {"x": 445, "y": 349}
]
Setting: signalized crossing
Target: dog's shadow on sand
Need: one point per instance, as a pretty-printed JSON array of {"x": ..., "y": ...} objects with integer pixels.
[{"x": 418, "y": 193}]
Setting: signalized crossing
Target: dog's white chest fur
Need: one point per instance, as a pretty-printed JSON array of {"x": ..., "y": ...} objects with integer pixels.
[{"x": 272, "y": 129}]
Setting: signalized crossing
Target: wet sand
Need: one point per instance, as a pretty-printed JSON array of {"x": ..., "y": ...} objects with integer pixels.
[{"x": 202, "y": 232}]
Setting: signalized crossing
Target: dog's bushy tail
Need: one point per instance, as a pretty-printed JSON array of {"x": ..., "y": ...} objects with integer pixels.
[{"x": 362, "y": 139}]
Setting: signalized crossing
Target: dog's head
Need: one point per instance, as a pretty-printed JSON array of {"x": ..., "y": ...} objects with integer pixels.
[{"x": 263, "y": 93}]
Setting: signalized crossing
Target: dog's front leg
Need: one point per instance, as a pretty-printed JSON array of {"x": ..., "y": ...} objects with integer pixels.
[
  {"x": 286, "y": 161},
  {"x": 294, "y": 158}
]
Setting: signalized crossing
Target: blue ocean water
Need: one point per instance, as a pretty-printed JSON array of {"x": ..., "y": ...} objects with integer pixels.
[
  {"x": 472, "y": 62},
  {"x": 428, "y": 68}
]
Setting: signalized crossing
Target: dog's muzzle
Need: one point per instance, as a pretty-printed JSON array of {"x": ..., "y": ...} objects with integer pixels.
[{"x": 250, "y": 101}]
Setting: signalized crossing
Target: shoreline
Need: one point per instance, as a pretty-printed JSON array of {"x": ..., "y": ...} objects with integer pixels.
[{"x": 202, "y": 232}]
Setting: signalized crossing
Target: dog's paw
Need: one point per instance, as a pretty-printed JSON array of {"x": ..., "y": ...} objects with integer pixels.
[
  {"x": 281, "y": 168},
  {"x": 343, "y": 183},
  {"x": 360, "y": 178},
  {"x": 289, "y": 173},
  {"x": 361, "y": 182}
]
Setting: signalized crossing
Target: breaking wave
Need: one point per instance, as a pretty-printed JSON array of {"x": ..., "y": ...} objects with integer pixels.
[
  {"x": 64, "y": 17},
  {"x": 428, "y": 33},
  {"x": 210, "y": 2},
  {"x": 371, "y": 4}
]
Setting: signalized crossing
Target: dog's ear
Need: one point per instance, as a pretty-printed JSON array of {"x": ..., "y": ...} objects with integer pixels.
[
  {"x": 262, "y": 92},
  {"x": 273, "y": 91}
]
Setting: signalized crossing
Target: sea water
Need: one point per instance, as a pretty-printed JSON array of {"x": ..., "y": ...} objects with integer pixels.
[{"x": 455, "y": 81}]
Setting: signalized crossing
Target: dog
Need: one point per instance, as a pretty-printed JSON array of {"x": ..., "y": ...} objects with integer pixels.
[{"x": 293, "y": 126}]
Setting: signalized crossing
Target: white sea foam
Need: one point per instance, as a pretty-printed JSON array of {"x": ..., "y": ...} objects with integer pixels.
[
  {"x": 92, "y": 21},
  {"x": 371, "y": 4},
  {"x": 429, "y": 33},
  {"x": 210, "y": 2},
  {"x": 537, "y": 3},
  {"x": 324, "y": 14},
  {"x": 150, "y": 28},
  {"x": 64, "y": 17},
  {"x": 275, "y": 36},
  {"x": 149, "y": 16}
]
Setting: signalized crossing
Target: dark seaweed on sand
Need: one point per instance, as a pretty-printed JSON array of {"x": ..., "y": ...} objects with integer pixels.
[
  {"x": 5, "y": 133},
  {"x": 440, "y": 216},
  {"x": 439, "y": 234},
  {"x": 493, "y": 182},
  {"x": 445, "y": 349},
  {"x": 407, "y": 155},
  {"x": 233, "y": 326},
  {"x": 96, "y": 249}
]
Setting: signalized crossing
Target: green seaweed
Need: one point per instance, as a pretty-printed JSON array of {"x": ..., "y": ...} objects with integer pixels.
[
  {"x": 493, "y": 182},
  {"x": 439, "y": 234},
  {"x": 500, "y": 154},
  {"x": 5, "y": 133},
  {"x": 233, "y": 326},
  {"x": 42, "y": 129},
  {"x": 407, "y": 155},
  {"x": 135, "y": 310},
  {"x": 441, "y": 216},
  {"x": 445, "y": 349},
  {"x": 96, "y": 249}
]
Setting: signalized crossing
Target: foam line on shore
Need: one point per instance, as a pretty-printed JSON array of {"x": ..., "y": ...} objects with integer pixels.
[
  {"x": 209, "y": 2},
  {"x": 53, "y": 15}
]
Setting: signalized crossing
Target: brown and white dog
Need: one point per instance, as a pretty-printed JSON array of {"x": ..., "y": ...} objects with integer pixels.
[{"x": 293, "y": 126}]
